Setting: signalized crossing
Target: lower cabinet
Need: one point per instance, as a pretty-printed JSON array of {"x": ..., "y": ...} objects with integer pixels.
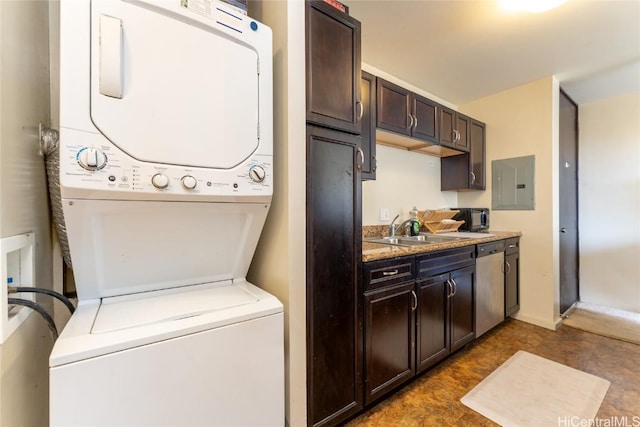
[
  {"x": 512, "y": 277},
  {"x": 413, "y": 324}
]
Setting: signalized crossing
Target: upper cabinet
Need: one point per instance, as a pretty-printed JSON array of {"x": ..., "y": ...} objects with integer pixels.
[
  {"x": 411, "y": 121},
  {"x": 368, "y": 92},
  {"x": 466, "y": 171},
  {"x": 454, "y": 129},
  {"x": 406, "y": 113},
  {"x": 333, "y": 68}
]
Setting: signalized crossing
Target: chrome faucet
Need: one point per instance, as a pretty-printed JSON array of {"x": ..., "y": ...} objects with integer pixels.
[{"x": 393, "y": 229}]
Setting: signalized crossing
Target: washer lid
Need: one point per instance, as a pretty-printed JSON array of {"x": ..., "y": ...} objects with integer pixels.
[{"x": 131, "y": 311}]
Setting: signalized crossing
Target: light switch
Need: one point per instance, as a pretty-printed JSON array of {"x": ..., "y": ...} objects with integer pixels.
[{"x": 384, "y": 214}]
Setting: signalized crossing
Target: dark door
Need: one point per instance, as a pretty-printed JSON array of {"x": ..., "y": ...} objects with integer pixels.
[
  {"x": 389, "y": 337},
  {"x": 462, "y": 132},
  {"x": 333, "y": 68},
  {"x": 447, "y": 127},
  {"x": 368, "y": 92},
  {"x": 394, "y": 107},
  {"x": 568, "y": 190},
  {"x": 334, "y": 247},
  {"x": 432, "y": 332},
  {"x": 477, "y": 155},
  {"x": 462, "y": 307},
  {"x": 425, "y": 125}
]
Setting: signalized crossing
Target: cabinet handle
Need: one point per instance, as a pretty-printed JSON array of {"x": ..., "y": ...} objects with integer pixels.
[
  {"x": 450, "y": 293},
  {"x": 473, "y": 177},
  {"x": 455, "y": 288},
  {"x": 415, "y": 301},
  {"x": 375, "y": 163},
  {"x": 415, "y": 122},
  {"x": 410, "y": 121},
  {"x": 361, "y": 156},
  {"x": 391, "y": 273},
  {"x": 456, "y": 136},
  {"x": 361, "y": 107},
  {"x": 511, "y": 246},
  {"x": 508, "y": 267}
]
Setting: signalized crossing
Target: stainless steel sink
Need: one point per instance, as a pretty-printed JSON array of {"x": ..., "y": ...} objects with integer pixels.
[{"x": 422, "y": 239}]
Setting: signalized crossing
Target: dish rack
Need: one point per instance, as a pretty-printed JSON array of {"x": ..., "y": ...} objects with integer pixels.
[{"x": 439, "y": 221}]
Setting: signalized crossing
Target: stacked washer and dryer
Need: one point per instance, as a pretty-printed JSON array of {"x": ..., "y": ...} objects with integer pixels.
[{"x": 166, "y": 178}]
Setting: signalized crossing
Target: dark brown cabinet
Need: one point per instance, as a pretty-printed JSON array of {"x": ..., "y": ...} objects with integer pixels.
[
  {"x": 417, "y": 311},
  {"x": 466, "y": 171},
  {"x": 454, "y": 129},
  {"x": 334, "y": 250},
  {"x": 333, "y": 68},
  {"x": 404, "y": 112},
  {"x": 512, "y": 277},
  {"x": 368, "y": 92},
  {"x": 390, "y": 330}
]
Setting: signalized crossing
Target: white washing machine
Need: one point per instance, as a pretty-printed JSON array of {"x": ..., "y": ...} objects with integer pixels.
[{"x": 166, "y": 179}]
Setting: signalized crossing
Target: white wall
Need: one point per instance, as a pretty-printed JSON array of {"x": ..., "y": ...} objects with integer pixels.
[
  {"x": 403, "y": 179},
  {"x": 523, "y": 121},
  {"x": 24, "y": 102},
  {"x": 279, "y": 263},
  {"x": 609, "y": 208}
]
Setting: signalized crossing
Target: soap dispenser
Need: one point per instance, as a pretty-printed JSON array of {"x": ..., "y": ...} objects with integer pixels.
[{"x": 414, "y": 222}]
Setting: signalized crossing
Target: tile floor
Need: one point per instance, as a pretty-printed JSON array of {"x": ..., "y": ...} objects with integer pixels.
[{"x": 433, "y": 399}]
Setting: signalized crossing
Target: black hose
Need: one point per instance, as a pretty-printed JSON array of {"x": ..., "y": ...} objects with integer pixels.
[
  {"x": 54, "y": 294},
  {"x": 41, "y": 311}
]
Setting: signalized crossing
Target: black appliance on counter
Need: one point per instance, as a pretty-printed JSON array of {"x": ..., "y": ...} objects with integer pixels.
[{"x": 475, "y": 219}]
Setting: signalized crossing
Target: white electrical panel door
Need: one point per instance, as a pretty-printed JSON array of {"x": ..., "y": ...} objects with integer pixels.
[{"x": 175, "y": 85}]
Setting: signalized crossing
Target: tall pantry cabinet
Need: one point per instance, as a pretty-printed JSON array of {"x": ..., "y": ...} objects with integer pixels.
[{"x": 333, "y": 218}]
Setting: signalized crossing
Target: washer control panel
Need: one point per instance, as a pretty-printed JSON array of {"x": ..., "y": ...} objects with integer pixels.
[{"x": 105, "y": 167}]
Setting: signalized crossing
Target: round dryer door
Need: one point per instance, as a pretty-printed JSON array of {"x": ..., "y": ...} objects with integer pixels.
[{"x": 169, "y": 85}]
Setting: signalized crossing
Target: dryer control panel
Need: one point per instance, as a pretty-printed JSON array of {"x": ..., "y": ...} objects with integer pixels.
[{"x": 96, "y": 165}]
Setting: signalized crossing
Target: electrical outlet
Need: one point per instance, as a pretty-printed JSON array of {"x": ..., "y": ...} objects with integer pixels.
[
  {"x": 384, "y": 214},
  {"x": 17, "y": 269}
]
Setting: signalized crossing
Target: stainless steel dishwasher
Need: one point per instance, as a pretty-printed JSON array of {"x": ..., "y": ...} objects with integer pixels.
[{"x": 489, "y": 286}]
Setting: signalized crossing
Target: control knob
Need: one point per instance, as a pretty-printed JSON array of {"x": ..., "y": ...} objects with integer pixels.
[
  {"x": 257, "y": 173},
  {"x": 91, "y": 158},
  {"x": 189, "y": 182},
  {"x": 160, "y": 181}
]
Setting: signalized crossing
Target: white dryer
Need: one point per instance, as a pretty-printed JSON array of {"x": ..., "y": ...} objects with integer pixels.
[{"x": 166, "y": 178}]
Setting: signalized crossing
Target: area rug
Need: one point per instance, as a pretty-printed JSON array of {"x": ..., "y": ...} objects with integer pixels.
[
  {"x": 608, "y": 322},
  {"x": 529, "y": 390}
]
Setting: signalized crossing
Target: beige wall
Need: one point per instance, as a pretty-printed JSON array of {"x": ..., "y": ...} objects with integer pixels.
[
  {"x": 279, "y": 263},
  {"x": 523, "y": 121},
  {"x": 24, "y": 102},
  {"x": 609, "y": 191},
  {"x": 403, "y": 180}
]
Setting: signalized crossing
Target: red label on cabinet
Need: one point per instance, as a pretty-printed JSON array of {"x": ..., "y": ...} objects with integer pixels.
[{"x": 337, "y": 5}]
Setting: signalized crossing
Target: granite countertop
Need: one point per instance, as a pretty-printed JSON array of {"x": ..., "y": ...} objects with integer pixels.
[{"x": 377, "y": 251}]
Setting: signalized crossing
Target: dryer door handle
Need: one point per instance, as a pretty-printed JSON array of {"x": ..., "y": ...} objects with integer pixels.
[{"x": 110, "y": 79}]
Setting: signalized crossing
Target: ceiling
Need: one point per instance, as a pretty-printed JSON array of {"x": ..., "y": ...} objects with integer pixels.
[{"x": 460, "y": 50}]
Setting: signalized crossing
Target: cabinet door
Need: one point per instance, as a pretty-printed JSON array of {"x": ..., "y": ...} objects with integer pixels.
[
  {"x": 426, "y": 123},
  {"x": 477, "y": 140},
  {"x": 462, "y": 307},
  {"x": 334, "y": 247},
  {"x": 389, "y": 338},
  {"x": 461, "y": 131},
  {"x": 368, "y": 92},
  {"x": 432, "y": 321},
  {"x": 393, "y": 107},
  {"x": 511, "y": 283},
  {"x": 447, "y": 127},
  {"x": 333, "y": 68}
]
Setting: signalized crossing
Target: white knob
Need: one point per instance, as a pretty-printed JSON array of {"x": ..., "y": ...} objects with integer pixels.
[
  {"x": 160, "y": 181},
  {"x": 189, "y": 182},
  {"x": 257, "y": 173},
  {"x": 91, "y": 158}
]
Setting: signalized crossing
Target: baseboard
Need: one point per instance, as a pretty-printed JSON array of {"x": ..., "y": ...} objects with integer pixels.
[{"x": 538, "y": 322}]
